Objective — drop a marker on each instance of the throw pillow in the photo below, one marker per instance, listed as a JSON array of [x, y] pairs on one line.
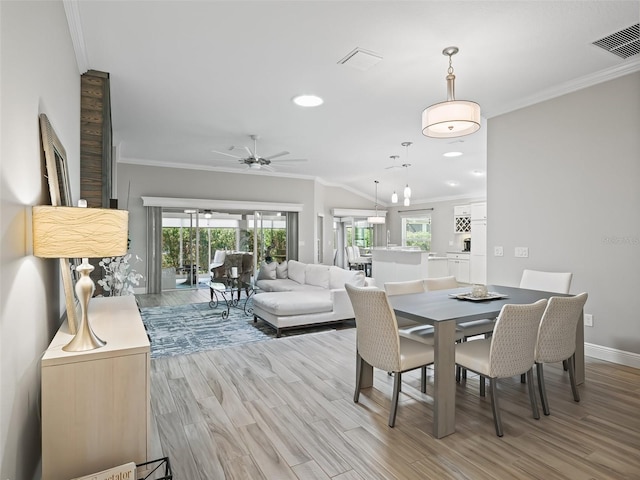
[[317, 275], [267, 271], [340, 276], [296, 271], [281, 270]]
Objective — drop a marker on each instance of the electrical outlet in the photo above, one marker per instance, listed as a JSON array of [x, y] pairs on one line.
[[498, 251], [588, 320], [521, 252]]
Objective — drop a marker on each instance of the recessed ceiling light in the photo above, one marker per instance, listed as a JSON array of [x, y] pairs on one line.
[[452, 154], [478, 173], [453, 184], [308, 100]]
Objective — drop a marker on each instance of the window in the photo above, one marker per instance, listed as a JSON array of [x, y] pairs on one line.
[[416, 232]]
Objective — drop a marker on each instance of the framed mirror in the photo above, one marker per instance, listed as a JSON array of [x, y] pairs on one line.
[[60, 193]]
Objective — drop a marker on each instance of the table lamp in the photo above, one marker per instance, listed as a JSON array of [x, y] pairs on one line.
[[72, 232]]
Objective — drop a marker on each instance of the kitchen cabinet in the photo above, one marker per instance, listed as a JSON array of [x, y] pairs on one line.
[[458, 264], [96, 404], [478, 258], [478, 211], [462, 218]]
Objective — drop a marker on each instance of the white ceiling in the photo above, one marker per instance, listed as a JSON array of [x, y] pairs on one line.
[[191, 77]]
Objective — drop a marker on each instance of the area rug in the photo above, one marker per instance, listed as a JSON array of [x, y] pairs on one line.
[[190, 328]]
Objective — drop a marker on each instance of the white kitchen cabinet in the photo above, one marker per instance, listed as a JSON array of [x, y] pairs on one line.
[[462, 211], [478, 211], [458, 264], [96, 404], [462, 218]]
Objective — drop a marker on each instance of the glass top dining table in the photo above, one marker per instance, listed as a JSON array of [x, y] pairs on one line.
[[442, 310]]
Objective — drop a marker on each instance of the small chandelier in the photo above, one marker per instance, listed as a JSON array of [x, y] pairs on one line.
[[377, 219], [453, 118]]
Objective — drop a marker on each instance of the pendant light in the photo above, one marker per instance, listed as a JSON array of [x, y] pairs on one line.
[[453, 118], [407, 189], [394, 195], [377, 219]]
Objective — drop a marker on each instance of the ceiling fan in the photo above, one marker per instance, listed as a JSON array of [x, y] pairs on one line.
[[254, 160]]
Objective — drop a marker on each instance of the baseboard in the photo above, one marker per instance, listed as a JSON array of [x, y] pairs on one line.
[[612, 355]]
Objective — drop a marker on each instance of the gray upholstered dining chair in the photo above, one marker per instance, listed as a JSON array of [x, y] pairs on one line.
[[379, 344], [557, 340], [509, 351]]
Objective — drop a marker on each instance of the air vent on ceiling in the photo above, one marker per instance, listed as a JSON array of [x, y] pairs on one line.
[[624, 43], [360, 59]]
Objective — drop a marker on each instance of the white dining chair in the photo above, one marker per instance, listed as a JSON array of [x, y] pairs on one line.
[[556, 282], [508, 352], [380, 345], [557, 340]]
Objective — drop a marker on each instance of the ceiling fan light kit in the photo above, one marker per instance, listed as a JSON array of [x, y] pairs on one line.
[[254, 161], [452, 118]]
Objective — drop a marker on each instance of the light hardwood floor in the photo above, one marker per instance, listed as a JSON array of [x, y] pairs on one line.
[[283, 409]]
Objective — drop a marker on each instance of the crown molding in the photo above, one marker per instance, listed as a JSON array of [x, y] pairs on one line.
[[630, 66], [72, 12]]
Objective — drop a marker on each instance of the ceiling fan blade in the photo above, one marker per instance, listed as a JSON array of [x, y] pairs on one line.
[[268, 168], [270, 157], [392, 166], [293, 160], [251, 154], [227, 154]]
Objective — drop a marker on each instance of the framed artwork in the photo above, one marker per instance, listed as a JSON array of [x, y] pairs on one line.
[[60, 193]]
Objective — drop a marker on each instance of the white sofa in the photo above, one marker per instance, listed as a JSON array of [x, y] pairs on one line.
[[296, 294]]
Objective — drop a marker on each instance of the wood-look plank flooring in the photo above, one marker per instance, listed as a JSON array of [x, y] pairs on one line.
[[283, 409]]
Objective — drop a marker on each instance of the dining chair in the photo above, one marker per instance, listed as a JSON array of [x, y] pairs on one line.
[[556, 282], [380, 345], [557, 340], [509, 351]]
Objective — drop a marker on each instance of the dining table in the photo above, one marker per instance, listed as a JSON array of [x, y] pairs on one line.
[[444, 309]]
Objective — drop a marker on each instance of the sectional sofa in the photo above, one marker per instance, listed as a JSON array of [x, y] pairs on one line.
[[295, 294]]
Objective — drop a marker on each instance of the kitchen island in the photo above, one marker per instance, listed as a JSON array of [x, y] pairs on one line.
[[398, 264]]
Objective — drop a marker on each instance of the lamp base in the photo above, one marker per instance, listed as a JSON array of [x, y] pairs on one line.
[[85, 338]]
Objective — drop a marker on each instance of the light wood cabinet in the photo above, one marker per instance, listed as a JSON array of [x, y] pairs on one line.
[[96, 404]]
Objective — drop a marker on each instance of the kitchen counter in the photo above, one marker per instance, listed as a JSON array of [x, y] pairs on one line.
[[400, 264]]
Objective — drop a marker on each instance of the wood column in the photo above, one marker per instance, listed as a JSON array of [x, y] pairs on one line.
[[95, 147]]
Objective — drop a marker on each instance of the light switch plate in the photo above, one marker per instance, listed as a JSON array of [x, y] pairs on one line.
[[588, 320], [521, 252], [498, 251]]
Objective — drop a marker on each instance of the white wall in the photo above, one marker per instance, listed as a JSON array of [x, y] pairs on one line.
[[39, 75], [564, 180]]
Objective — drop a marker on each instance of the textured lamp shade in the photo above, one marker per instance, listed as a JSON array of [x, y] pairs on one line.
[[454, 118], [72, 232]]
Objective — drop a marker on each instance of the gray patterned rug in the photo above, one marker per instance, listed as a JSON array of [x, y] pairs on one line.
[[184, 329]]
